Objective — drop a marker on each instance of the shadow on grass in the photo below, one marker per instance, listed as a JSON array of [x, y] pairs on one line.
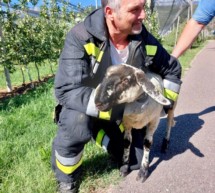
[[25, 95], [99, 164], [96, 168], [186, 126]]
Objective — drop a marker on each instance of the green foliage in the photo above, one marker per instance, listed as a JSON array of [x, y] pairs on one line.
[[169, 40], [151, 23], [186, 58], [26, 38]]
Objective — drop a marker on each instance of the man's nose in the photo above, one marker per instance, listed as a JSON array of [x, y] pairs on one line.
[[142, 15]]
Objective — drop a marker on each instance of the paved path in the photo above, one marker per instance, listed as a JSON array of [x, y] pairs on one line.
[[189, 164]]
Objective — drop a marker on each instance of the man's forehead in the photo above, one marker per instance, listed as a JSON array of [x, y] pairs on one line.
[[133, 1]]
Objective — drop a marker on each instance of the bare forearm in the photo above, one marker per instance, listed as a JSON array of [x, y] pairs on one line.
[[189, 34]]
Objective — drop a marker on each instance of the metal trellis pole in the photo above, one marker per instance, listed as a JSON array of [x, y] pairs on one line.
[[96, 1]]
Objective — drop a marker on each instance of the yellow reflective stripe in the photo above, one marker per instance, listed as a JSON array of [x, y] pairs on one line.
[[170, 94], [100, 56], [105, 115], [68, 169], [93, 50], [121, 127], [99, 137], [151, 50]]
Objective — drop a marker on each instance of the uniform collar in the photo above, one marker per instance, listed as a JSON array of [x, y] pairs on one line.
[[95, 24]]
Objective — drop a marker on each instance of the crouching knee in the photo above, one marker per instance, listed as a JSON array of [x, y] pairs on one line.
[[74, 127]]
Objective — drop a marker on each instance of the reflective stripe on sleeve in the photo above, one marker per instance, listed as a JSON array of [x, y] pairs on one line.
[[151, 50], [68, 165], [93, 111], [105, 115], [170, 94], [91, 107], [171, 86]]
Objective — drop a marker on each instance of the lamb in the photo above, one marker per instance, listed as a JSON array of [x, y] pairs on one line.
[[126, 84]]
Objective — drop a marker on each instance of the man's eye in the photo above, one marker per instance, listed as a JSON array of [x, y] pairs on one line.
[[134, 10]]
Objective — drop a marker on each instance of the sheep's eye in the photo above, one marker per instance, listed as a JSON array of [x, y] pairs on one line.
[[120, 97], [109, 88], [125, 81]]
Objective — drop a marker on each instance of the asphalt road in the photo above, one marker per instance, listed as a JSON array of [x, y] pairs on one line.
[[189, 164]]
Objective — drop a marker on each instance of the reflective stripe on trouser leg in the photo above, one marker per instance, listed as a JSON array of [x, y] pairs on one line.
[[121, 127], [68, 165], [102, 140]]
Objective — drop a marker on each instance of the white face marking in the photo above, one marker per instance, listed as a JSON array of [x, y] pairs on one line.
[[130, 94], [129, 77], [109, 91]]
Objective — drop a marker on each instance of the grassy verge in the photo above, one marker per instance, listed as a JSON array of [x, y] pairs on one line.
[[26, 133]]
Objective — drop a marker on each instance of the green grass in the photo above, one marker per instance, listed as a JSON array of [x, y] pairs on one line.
[[186, 59], [188, 56], [26, 134], [27, 130]]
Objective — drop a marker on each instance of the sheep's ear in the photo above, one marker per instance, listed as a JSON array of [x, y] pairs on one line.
[[150, 88]]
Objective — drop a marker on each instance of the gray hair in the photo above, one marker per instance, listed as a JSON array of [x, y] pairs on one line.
[[114, 4]]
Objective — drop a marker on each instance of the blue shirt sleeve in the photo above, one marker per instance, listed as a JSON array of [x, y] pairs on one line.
[[205, 11]]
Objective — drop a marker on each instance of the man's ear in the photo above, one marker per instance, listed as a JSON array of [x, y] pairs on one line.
[[109, 13], [150, 89]]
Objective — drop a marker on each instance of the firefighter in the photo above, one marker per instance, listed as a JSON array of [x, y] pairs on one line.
[[108, 36]]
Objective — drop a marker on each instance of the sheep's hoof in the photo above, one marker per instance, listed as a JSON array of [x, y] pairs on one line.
[[124, 170], [142, 174], [165, 145]]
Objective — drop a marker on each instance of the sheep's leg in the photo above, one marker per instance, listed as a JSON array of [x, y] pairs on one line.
[[143, 172], [124, 169], [170, 124]]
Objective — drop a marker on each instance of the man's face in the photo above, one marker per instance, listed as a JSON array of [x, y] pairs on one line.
[[128, 18]]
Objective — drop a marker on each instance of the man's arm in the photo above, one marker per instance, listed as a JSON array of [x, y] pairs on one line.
[[189, 34], [73, 67], [203, 14], [167, 66]]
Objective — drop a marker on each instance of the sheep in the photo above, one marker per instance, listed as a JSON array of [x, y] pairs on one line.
[[126, 84]]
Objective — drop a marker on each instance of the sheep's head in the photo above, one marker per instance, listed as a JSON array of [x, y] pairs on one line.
[[123, 84], [119, 86]]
